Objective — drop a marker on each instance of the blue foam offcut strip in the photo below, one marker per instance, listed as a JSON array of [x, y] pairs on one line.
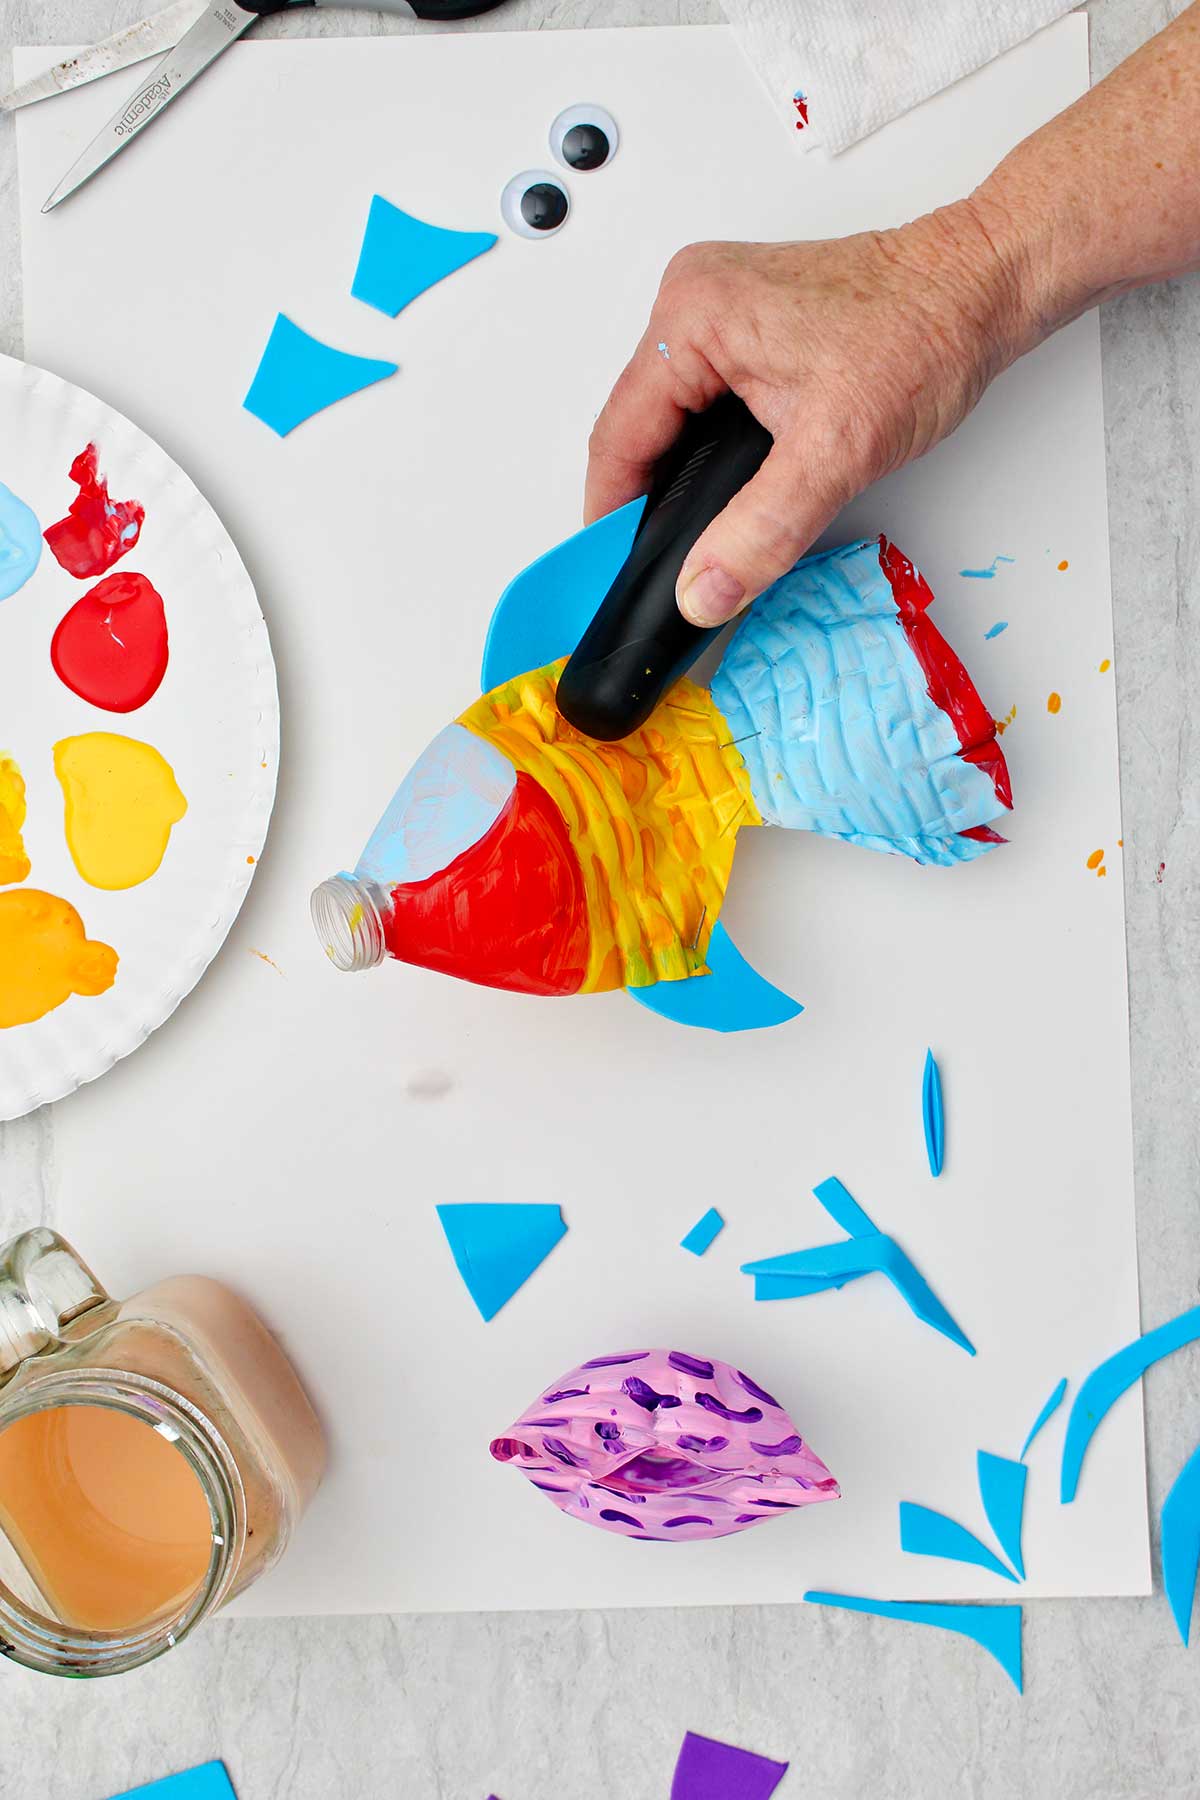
[[703, 1232], [1181, 1542], [860, 1256], [932, 1115], [997, 628], [299, 376], [208, 1782], [794, 1287], [843, 1208], [497, 1247], [731, 997], [996, 1628], [924, 1532], [1047, 1413], [1105, 1385], [402, 256], [1002, 1490]]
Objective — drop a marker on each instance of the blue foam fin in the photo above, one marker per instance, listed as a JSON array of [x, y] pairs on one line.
[[208, 1782], [703, 1232], [402, 256], [545, 610], [997, 1629], [858, 1256], [843, 1208], [731, 997], [710, 1770], [1047, 1413], [299, 376], [1105, 1385], [1002, 1490], [497, 1247], [794, 1287], [932, 1115], [924, 1532], [1181, 1542]]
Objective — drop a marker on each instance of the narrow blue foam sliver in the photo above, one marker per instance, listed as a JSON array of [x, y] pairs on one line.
[[932, 1115], [710, 1770], [703, 1232], [859, 1256], [299, 376], [924, 1532], [996, 1628], [843, 1208], [402, 256], [1002, 1490], [498, 1247], [1047, 1413], [1106, 1383], [1181, 1542], [731, 997], [208, 1782]]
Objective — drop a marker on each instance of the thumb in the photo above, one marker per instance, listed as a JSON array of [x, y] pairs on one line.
[[766, 527]]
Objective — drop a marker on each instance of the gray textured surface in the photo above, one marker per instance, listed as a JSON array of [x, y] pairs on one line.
[[542, 1707]]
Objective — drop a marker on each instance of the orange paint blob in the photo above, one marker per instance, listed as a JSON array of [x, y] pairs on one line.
[[249, 859], [1105, 666], [1063, 565], [1054, 703], [1002, 725], [1095, 859], [46, 956], [1102, 870]]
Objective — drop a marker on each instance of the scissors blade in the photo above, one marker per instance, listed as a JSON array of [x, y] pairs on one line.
[[148, 38], [222, 23]]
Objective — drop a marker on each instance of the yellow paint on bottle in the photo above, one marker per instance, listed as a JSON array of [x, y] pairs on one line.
[[46, 956], [14, 864], [121, 802]]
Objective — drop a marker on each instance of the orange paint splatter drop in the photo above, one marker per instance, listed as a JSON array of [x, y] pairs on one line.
[[1120, 843], [1105, 666], [1054, 703], [1063, 565], [1102, 870], [1002, 725], [1095, 859], [263, 957], [249, 859]]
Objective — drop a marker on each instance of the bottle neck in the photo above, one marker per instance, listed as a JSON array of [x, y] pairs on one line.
[[348, 914]]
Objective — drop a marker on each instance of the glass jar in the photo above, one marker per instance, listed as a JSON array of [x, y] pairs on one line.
[[155, 1456]]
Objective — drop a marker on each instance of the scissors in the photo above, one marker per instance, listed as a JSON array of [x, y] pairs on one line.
[[207, 30]]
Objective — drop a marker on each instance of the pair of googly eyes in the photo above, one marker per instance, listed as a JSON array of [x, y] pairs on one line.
[[535, 203]]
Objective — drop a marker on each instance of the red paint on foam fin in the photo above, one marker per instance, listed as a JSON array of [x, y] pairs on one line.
[[950, 687], [96, 530], [111, 648], [510, 912]]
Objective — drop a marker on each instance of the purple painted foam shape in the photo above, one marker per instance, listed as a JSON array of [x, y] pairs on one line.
[[710, 1770]]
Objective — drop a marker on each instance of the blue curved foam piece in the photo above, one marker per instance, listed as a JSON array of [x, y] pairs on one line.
[[299, 376], [545, 610], [1181, 1542], [731, 997], [924, 1532], [860, 1256], [402, 256], [997, 1629], [1002, 1490], [710, 1770], [498, 1247], [1106, 1383], [1047, 1413], [703, 1232], [20, 542], [932, 1115]]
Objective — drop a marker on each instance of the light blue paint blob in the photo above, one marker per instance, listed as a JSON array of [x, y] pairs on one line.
[[402, 256], [996, 1629], [497, 1248], [208, 1782], [731, 997], [703, 1232], [933, 1116], [452, 795], [1181, 1543], [843, 1208], [1047, 1413], [988, 574], [1002, 1490], [924, 1532], [860, 1256], [997, 628], [299, 376], [20, 542], [663, 351], [1105, 1385]]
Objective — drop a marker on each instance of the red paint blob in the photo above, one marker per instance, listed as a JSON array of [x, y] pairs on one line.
[[111, 648], [800, 103], [96, 530]]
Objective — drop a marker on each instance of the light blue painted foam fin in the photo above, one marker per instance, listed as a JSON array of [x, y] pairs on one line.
[[1002, 1490], [703, 1232], [924, 1532], [843, 1208], [855, 1257], [497, 1248], [1181, 1542], [1047, 1413], [709, 1770], [20, 542], [545, 610], [1105, 1385], [932, 1116], [731, 997], [996, 1628], [299, 376], [208, 1782], [402, 256]]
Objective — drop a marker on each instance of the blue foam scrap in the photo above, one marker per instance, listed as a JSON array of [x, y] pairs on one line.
[[924, 1532], [498, 1246], [208, 1782], [843, 1208], [933, 1115], [401, 256], [1047, 1413], [1107, 1382], [1002, 1490], [1181, 1542], [863, 1255], [298, 376], [997, 1629], [703, 1232]]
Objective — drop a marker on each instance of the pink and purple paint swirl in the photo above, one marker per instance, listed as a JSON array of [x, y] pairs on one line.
[[660, 1444]]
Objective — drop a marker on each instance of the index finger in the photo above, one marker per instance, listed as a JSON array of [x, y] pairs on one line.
[[641, 420]]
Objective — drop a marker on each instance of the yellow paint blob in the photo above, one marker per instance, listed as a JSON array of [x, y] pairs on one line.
[[121, 802], [1054, 703], [14, 864], [1105, 666], [46, 956]]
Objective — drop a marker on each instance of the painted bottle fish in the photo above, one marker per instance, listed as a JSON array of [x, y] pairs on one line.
[[519, 854]]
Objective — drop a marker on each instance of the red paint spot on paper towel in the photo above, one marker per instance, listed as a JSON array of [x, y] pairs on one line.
[[800, 102], [96, 530], [111, 648]]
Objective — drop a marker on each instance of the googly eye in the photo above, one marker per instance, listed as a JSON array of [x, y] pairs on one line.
[[584, 137], [535, 204]]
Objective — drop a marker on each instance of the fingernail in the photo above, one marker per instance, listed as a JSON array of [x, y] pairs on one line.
[[711, 597]]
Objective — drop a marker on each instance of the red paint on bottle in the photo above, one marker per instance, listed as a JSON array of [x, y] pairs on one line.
[[96, 530], [950, 687], [111, 648], [510, 912]]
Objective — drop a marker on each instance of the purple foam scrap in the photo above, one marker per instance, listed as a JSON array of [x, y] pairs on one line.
[[710, 1770]]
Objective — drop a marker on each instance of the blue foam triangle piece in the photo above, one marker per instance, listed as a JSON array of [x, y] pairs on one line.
[[208, 1782], [498, 1247], [1002, 1490], [996, 1628], [299, 376], [924, 1532], [731, 997], [1181, 1543], [402, 256]]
